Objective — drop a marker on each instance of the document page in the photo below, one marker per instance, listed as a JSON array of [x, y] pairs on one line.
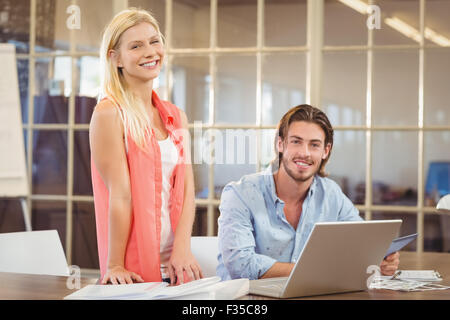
[[115, 291]]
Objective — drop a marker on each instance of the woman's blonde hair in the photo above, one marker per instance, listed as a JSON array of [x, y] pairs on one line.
[[113, 85]]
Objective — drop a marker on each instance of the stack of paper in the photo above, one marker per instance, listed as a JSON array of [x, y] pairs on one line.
[[409, 280], [203, 289], [122, 291], [419, 275]]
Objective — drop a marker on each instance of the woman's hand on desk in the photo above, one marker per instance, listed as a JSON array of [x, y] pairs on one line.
[[120, 275], [390, 264], [181, 264]]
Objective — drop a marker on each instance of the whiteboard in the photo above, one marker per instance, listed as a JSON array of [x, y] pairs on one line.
[[13, 176]]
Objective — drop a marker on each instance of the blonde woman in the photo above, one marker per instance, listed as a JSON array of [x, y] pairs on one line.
[[141, 173]]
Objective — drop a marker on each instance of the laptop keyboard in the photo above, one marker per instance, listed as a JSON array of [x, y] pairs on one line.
[[274, 286], [271, 284]]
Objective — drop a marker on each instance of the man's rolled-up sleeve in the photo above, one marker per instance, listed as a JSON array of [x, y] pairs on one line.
[[236, 238]]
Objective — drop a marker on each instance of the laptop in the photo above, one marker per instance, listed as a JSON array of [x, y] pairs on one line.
[[334, 260]]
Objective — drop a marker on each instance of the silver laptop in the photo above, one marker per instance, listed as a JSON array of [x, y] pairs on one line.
[[335, 259]]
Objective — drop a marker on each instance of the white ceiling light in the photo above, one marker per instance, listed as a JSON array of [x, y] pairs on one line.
[[436, 38], [414, 34], [399, 25], [357, 5], [404, 28]]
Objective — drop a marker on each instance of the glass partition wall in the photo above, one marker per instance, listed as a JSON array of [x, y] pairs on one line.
[[379, 69]]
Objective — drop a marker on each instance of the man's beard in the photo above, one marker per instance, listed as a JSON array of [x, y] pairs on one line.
[[293, 174]]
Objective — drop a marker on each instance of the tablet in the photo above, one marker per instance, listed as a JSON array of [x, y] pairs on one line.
[[399, 243]]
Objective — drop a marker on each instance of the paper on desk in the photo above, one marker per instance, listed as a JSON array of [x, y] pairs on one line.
[[182, 289], [115, 291], [409, 280], [420, 275], [203, 289], [223, 290], [406, 285]]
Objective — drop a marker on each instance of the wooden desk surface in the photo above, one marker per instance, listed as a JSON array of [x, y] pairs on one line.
[[18, 286]]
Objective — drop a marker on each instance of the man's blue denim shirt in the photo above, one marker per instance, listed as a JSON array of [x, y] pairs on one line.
[[254, 232]]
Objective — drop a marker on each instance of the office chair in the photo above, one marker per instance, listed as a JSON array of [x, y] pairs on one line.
[[205, 250]]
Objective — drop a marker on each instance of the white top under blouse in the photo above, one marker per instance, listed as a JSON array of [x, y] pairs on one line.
[[169, 159]]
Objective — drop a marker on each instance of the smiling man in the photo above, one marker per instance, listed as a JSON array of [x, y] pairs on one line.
[[266, 218]]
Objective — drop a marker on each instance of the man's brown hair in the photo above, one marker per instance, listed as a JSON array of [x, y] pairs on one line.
[[304, 112]]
